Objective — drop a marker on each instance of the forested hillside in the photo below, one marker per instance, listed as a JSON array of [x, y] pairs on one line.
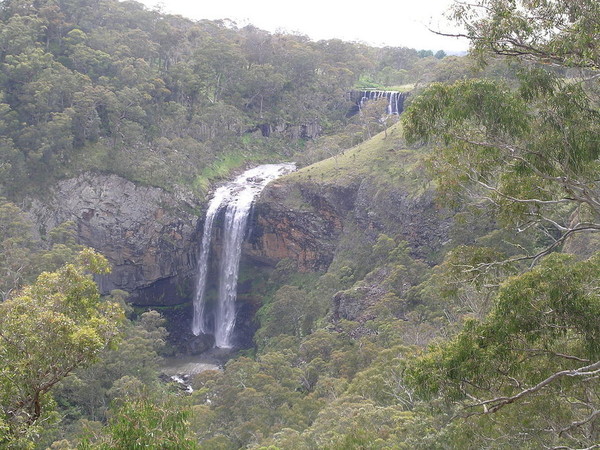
[[111, 86], [428, 280]]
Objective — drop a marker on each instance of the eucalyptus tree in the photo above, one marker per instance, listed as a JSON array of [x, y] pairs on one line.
[[532, 149], [527, 374], [47, 330]]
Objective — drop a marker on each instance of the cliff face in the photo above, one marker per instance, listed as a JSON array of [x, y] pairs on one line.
[[151, 236], [147, 234], [305, 221], [379, 186], [294, 221], [332, 213]]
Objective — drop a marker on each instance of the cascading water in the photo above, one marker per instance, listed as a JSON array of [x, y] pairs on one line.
[[395, 100], [236, 198], [199, 325]]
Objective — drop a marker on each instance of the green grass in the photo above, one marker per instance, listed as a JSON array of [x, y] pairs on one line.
[[401, 88], [368, 84], [218, 169], [223, 167], [385, 158]]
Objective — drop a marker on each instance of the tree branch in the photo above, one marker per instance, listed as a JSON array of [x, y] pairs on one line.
[[500, 402], [580, 422]]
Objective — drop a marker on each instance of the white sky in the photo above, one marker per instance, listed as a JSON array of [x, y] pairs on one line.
[[398, 23]]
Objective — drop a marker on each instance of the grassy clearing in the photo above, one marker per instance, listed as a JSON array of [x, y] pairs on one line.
[[386, 158], [367, 85], [402, 87]]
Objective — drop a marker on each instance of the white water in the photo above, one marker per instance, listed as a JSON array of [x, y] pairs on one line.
[[199, 325], [394, 98], [237, 198]]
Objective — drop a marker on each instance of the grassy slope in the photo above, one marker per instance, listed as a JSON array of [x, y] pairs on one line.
[[384, 158]]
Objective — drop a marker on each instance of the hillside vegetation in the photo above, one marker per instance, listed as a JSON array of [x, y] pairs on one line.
[[488, 336], [162, 100], [385, 157]]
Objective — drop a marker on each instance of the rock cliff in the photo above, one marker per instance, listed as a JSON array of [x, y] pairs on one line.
[[305, 221], [310, 217], [332, 213], [147, 234], [296, 222]]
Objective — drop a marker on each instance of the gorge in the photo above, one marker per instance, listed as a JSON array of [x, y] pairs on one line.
[[427, 278]]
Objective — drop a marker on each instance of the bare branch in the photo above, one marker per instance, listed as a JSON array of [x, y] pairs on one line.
[[548, 352], [580, 422], [571, 448], [500, 402]]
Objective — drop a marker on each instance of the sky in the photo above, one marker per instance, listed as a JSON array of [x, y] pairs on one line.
[[398, 23]]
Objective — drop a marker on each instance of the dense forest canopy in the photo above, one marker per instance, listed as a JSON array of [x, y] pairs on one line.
[[530, 150], [112, 86], [490, 340]]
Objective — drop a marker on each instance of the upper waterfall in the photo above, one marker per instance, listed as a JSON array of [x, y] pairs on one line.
[[395, 100], [235, 198]]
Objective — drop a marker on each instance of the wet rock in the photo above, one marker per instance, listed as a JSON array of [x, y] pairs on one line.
[[199, 344]]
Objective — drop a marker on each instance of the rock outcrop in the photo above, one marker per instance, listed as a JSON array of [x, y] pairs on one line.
[[305, 221], [148, 235], [306, 230]]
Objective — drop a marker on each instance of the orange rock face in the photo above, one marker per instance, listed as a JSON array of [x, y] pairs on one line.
[[307, 235]]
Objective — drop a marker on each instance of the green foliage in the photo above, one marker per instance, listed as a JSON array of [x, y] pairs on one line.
[[23, 256], [49, 329], [293, 311], [87, 393], [560, 32], [529, 149], [252, 398], [544, 323], [160, 99], [372, 158], [111, 86], [15, 246], [489, 107], [143, 421], [153, 97]]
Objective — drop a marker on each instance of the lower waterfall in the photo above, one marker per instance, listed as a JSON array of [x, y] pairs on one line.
[[236, 199]]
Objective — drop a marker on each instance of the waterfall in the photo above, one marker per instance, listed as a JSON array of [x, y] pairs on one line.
[[199, 325], [236, 199], [395, 100]]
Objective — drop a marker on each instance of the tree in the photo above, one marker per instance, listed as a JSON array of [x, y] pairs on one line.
[[15, 247], [293, 311], [136, 360], [531, 149], [562, 32], [539, 346], [49, 329], [146, 421]]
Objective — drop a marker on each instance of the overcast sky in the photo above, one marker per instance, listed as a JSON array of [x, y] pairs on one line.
[[399, 23]]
